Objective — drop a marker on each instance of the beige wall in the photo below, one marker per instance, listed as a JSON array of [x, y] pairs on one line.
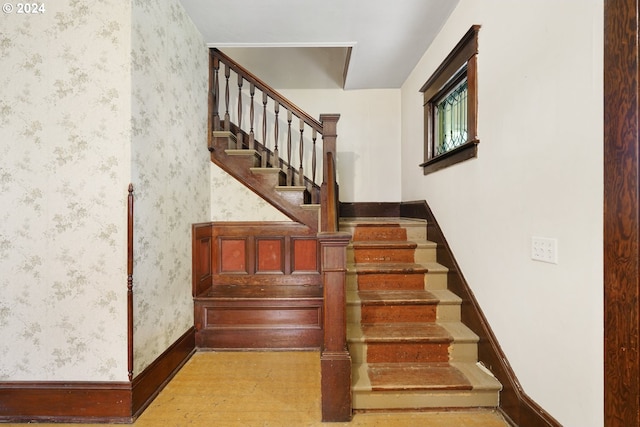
[[368, 139], [538, 173]]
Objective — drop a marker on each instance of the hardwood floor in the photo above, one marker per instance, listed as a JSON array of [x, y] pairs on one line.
[[269, 389]]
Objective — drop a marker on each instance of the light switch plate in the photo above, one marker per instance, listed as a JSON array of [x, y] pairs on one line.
[[544, 249]]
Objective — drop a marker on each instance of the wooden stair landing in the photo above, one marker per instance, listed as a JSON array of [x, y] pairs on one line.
[[408, 346]]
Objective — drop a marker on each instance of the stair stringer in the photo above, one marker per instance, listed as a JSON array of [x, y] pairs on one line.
[[243, 165]]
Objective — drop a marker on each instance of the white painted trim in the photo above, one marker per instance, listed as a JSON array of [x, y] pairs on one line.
[[308, 44]]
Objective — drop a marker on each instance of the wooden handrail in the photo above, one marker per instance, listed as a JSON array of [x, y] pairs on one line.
[[220, 90], [265, 88]]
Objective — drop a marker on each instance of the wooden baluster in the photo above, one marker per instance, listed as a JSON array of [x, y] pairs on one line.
[[289, 168], [216, 94], [276, 158], [314, 195], [239, 138], [252, 91], [227, 119], [264, 129], [300, 152]]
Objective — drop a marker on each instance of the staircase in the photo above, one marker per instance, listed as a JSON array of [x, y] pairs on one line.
[[377, 306], [254, 168], [408, 345]]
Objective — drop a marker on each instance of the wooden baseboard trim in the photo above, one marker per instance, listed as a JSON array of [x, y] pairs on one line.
[[93, 402], [73, 402], [515, 404], [147, 385]]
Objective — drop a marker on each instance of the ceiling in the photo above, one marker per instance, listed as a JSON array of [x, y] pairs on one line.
[[315, 43]]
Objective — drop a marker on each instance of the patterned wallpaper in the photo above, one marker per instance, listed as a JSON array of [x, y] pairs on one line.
[[232, 201], [97, 94], [170, 169], [64, 141]]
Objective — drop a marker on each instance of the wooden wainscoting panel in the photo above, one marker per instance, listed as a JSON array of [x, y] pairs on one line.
[[305, 255], [266, 288], [264, 254], [233, 256], [201, 253], [270, 255], [285, 317]]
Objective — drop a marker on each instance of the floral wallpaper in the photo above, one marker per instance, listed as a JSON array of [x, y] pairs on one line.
[[98, 94], [232, 201], [170, 168], [64, 169]]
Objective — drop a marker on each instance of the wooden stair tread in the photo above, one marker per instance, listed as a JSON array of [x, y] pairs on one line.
[[251, 292], [381, 221], [402, 332], [416, 376], [384, 244]]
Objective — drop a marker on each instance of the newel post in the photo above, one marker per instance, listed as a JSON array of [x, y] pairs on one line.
[[335, 362], [328, 189]]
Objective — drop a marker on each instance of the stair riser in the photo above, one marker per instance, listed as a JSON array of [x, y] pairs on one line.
[[383, 255], [463, 352], [270, 176], [448, 312], [390, 233], [367, 400], [383, 281], [456, 352], [248, 158], [412, 232], [295, 197], [424, 254], [398, 313], [444, 313], [409, 352]]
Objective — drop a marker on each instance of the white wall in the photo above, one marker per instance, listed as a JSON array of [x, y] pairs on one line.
[[368, 139], [538, 173]]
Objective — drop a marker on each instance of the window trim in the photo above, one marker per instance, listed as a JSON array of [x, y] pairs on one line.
[[461, 61]]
